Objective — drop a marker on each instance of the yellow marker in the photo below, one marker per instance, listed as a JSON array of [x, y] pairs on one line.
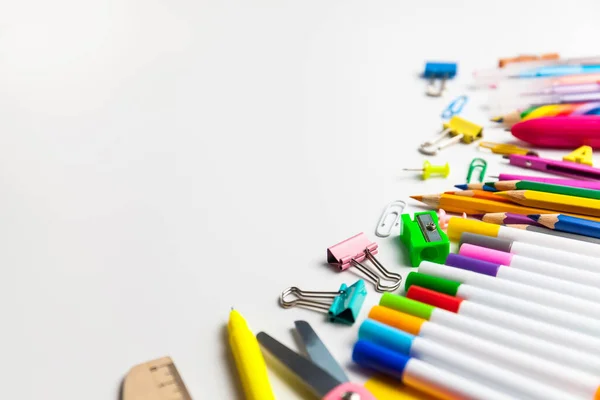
[[248, 359], [429, 169], [582, 155]]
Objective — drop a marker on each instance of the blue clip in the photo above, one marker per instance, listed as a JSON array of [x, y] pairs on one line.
[[347, 305], [344, 309], [438, 70], [455, 107]]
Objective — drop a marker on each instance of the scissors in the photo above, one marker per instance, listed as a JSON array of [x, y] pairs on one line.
[[320, 372]]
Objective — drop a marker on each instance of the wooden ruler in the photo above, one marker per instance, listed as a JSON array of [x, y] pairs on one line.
[[155, 380]]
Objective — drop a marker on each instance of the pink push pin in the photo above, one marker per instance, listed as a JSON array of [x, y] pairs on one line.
[[443, 218]]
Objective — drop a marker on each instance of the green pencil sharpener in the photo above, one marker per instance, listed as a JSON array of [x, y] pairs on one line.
[[424, 238]]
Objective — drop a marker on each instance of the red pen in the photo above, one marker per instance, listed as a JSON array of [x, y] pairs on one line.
[[560, 132]]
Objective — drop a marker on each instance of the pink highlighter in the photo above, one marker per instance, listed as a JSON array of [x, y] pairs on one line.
[[560, 132]]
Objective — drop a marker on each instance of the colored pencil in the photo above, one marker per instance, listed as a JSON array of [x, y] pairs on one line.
[[546, 231], [505, 218], [469, 205], [479, 194], [546, 188], [548, 110], [569, 224], [476, 186], [554, 181], [551, 201]]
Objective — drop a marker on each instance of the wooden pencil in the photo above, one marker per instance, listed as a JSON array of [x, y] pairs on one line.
[[479, 194], [505, 219], [566, 223], [469, 205], [555, 202], [546, 231], [547, 188], [476, 186]]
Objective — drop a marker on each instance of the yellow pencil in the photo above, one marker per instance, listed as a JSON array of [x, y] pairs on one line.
[[248, 359], [553, 201]]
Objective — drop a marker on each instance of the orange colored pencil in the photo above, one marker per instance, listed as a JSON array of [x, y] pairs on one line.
[[470, 205], [479, 194]]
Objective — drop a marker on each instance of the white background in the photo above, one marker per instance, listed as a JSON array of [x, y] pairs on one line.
[[163, 161]]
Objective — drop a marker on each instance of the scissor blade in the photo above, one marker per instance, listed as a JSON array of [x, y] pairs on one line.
[[318, 353], [318, 380]]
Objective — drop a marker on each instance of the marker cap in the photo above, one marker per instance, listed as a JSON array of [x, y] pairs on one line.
[[456, 227], [472, 264], [431, 282], [433, 298], [484, 254], [486, 241], [376, 357], [386, 336], [402, 304], [396, 319]]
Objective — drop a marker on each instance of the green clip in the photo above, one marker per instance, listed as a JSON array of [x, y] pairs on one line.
[[347, 305], [424, 238], [477, 163]]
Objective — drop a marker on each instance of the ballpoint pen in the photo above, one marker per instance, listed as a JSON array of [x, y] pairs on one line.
[[248, 359]]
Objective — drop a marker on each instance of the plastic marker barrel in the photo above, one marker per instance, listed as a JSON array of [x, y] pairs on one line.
[[498, 271], [515, 289], [556, 255], [457, 226], [497, 317], [560, 353], [420, 375], [562, 272], [512, 371], [513, 305]]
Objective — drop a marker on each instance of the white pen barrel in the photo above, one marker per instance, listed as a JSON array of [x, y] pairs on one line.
[[542, 329], [559, 353], [518, 290], [568, 258], [563, 272], [536, 311], [440, 354], [553, 242], [584, 292], [419, 374]]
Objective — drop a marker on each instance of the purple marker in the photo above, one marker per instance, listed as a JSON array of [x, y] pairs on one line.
[[516, 275], [554, 181]]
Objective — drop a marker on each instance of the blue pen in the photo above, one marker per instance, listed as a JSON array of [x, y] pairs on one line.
[[559, 70]]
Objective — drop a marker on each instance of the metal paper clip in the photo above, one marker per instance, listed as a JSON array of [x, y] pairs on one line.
[[345, 307], [458, 130], [455, 107], [475, 164], [353, 251], [390, 218], [438, 71], [504, 148]]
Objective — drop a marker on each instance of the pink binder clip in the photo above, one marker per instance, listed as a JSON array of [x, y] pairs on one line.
[[353, 251], [443, 218]]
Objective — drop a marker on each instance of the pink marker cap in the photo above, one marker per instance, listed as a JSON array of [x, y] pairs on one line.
[[484, 254]]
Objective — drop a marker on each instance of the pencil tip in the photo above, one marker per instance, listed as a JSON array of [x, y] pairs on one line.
[[534, 217], [418, 198], [497, 119], [462, 186], [502, 194], [477, 216]]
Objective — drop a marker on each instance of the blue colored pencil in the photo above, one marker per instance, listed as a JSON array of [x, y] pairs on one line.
[[565, 223]]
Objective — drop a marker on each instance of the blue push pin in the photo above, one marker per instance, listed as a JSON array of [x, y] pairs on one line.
[[438, 71]]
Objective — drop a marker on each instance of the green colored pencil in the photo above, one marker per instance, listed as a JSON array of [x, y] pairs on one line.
[[546, 187]]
